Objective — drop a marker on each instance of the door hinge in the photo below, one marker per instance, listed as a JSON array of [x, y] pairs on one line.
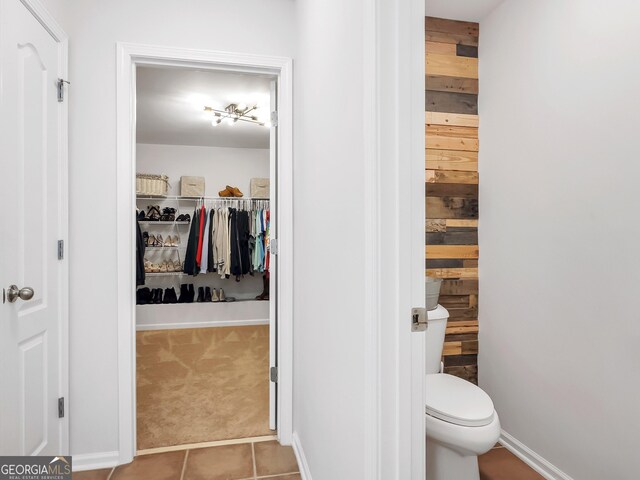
[[273, 374], [61, 407], [273, 246], [274, 119], [418, 319], [60, 84], [60, 249]]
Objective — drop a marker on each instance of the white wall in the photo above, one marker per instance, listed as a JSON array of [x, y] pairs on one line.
[[94, 27], [559, 230], [219, 166], [329, 225]]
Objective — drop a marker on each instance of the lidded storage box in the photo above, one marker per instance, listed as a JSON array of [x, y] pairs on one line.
[[148, 184], [192, 186], [260, 188]]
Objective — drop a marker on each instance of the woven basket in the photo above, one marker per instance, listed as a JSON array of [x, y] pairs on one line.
[[156, 185]]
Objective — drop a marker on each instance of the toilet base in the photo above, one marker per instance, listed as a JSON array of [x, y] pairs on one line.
[[443, 463]]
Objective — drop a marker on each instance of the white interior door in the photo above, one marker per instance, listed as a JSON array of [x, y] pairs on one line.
[[32, 328], [273, 264]]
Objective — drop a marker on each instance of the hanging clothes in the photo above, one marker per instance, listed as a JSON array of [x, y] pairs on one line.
[[140, 273], [190, 266], [203, 219], [211, 261], [204, 258]]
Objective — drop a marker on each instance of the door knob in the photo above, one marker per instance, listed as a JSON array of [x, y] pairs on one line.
[[14, 293]]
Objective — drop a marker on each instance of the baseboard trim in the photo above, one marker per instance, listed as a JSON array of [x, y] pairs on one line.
[[305, 473], [94, 461], [212, 323], [531, 458]]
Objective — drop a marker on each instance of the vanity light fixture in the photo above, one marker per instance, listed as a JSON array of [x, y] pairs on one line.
[[234, 112]]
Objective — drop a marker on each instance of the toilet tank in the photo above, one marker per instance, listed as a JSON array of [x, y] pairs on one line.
[[437, 326]]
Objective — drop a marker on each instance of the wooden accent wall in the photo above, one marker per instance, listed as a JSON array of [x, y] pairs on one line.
[[451, 176]]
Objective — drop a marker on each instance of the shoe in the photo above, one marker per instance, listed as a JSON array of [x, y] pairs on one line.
[[141, 215], [169, 266], [143, 296], [153, 213], [177, 266], [200, 295], [214, 296], [159, 241], [184, 293], [157, 295], [168, 214], [170, 296], [265, 289], [236, 191], [192, 293], [222, 297], [227, 192], [207, 294], [145, 238]]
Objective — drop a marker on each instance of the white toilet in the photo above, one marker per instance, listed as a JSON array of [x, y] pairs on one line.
[[461, 420]]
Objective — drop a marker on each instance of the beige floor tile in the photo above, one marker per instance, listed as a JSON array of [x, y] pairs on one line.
[[101, 474], [160, 466], [501, 464], [229, 462], [294, 476], [272, 459]]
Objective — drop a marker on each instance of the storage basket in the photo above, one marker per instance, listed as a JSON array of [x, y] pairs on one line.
[[192, 186], [154, 185], [260, 188]]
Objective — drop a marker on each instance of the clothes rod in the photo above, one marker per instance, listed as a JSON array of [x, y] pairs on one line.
[[195, 199]]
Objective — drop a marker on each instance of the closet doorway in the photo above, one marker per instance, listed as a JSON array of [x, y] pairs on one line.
[[208, 165]]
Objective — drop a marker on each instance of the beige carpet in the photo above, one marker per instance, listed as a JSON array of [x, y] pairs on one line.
[[202, 384]]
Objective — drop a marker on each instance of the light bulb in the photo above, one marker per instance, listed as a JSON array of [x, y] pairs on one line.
[[267, 124], [230, 121], [242, 106]]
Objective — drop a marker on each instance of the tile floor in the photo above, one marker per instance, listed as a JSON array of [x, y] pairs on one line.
[[500, 464], [245, 461]]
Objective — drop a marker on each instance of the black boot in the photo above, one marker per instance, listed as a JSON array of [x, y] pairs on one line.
[[265, 289], [143, 296], [170, 296], [207, 294], [158, 295], [200, 295], [192, 293], [184, 293]]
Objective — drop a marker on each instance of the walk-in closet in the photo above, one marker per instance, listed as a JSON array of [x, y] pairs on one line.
[[205, 319]]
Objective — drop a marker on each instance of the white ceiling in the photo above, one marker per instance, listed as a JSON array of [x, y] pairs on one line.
[[170, 105], [467, 10]]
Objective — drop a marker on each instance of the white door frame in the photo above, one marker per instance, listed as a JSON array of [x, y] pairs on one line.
[[395, 140], [40, 13], [128, 57]]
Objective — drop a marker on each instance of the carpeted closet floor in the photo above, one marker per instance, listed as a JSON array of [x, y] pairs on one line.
[[202, 384]]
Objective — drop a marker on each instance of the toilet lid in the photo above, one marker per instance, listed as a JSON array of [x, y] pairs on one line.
[[457, 401]]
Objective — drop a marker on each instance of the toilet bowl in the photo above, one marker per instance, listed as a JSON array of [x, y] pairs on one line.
[[461, 420]]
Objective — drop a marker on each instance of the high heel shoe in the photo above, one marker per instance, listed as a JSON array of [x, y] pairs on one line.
[[214, 296], [153, 213], [159, 241], [177, 266]]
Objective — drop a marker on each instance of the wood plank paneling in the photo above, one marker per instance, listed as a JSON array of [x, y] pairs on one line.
[[452, 207], [442, 48], [438, 83], [453, 27], [449, 102], [451, 184], [451, 176], [451, 66], [452, 251], [453, 119], [451, 160]]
